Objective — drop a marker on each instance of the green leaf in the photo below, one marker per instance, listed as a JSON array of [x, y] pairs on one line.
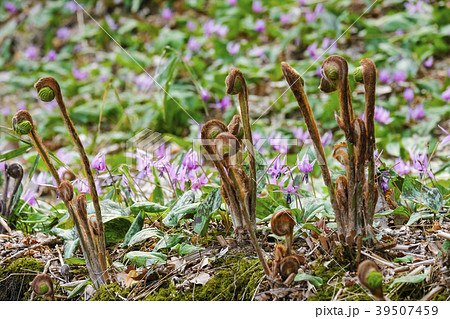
[[14, 153], [400, 210], [75, 261], [175, 215], [79, 289], [135, 227], [157, 195], [409, 279], [145, 259], [148, 207], [446, 245], [417, 216], [316, 281], [405, 259], [168, 241], [205, 210], [144, 234], [186, 249], [116, 229], [422, 194]]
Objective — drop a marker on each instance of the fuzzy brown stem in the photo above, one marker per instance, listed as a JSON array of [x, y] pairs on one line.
[[295, 83], [53, 84]]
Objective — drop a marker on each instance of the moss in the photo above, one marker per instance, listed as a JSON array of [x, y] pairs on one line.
[[238, 279], [110, 292], [13, 286], [374, 280], [443, 296]]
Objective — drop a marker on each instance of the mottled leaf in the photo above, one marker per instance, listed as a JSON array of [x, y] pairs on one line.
[[205, 210], [405, 259], [134, 228], [145, 234], [186, 249], [79, 289], [148, 207], [168, 241], [143, 259], [422, 194], [409, 279], [175, 215], [316, 281]]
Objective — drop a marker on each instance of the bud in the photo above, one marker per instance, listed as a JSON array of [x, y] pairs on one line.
[[233, 82], [331, 73], [22, 123], [46, 94], [15, 171], [43, 285], [66, 191], [357, 74]]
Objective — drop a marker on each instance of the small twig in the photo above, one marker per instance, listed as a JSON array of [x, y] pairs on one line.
[[432, 293]]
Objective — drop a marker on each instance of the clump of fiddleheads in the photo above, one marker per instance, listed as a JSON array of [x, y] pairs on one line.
[[48, 89], [14, 171], [224, 145], [23, 124], [352, 197]]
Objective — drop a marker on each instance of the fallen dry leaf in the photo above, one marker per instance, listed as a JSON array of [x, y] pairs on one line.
[[201, 279]]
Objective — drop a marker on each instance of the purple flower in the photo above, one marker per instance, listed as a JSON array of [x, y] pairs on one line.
[[289, 190], [447, 138], [200, 181], [279, 143], [302, 2], [79, 74], [21, 106], [143, 82], [111, 23], [2, 166], [305, 166], [209, 27], [98, 162], [399, 76], [325, 139], [257, 6], [31, 53], [446, 94], [408, 94], [63, 33], [233, 48], [221, 30], [190, 161], [326, 45], [416, 113], [399, 32], [6, 111], [166, 13], [300, 134], [63, 156], [83, 186], [428, 62], [401, 167], [319, 9], [420, 162], [260, 25], [285, 18], [51, 55], [310, 16], [193, 44], [384, 76], [30, 197], [414, 7], [191, 25], [312, 50], [72, 6], [382, 115], [232, 2], [204, 93], [257, 51], [77, 48], [384, 181], [277, 166], [10, 7], [319, 71], [225, 103]]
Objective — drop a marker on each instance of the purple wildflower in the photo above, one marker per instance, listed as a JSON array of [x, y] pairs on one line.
[[6, 111], [63, 156], [300, 134], [399, 76], [312, 50], [319, 9], [446, 94], [260, 25], [428, 62], [21, 105], [277, 166], [319, 71], [83, 186], [166, 13], [382, 115], [285, 18], [232, 2], [205, 95], [193, 44], [10, 7], [30, 197], [401, 167], [143, 82], [72, 6], [399, 32], [325, 139], [98, 162], [305, 166], [233, 48], [420, 162], [310, 16], [190, 161], [416, 113], [278, 143], [257, 51], [31, 53], [384, 181], [63, 33], [209, 27], [79, 74], [414, 7], [191, 25], [111, 23], [447, 138], [51, 55], [221, 104], [200, 181], [257, 6], [290, 190], [408, 94], [221, 30], [384, 76], [77, 48]]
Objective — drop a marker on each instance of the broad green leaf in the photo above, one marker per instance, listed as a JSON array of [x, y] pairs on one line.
[[135, 227], [400, 210], [205, 210], [14, 153], [157, 195], [187, 198], [175, 215], [405, 259], [116, 229], [148, 207], [168, 241], [145, 234], [409, 279], [186, 249], [417, 216], [316, 281], [79, 289], [144, 259], [422, 194]]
